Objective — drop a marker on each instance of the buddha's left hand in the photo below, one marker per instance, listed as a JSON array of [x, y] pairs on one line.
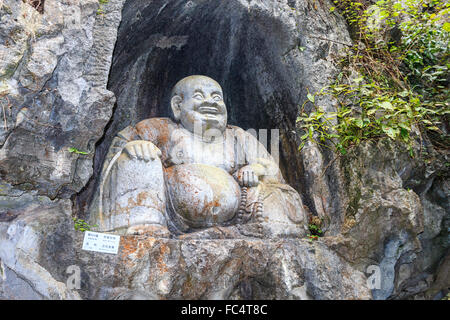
[[248, 176]]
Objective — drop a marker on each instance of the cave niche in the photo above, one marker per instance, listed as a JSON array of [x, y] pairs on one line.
[[251, 52]]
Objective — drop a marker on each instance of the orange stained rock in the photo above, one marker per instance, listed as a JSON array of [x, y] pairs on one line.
[[154, 130], [135, 246], [163, 250]]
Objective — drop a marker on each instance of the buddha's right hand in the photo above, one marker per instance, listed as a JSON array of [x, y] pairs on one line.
[[142, 150]]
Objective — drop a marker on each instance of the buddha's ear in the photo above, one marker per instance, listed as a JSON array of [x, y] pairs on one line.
[[175, 103]]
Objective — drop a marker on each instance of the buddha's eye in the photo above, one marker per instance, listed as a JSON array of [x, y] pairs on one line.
[[198, 96], [216, 97]]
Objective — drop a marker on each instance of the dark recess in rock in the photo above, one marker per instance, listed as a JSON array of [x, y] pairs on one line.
[[245, 50], [37, 4]]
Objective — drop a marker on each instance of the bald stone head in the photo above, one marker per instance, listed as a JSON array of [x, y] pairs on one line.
[[197, 101]]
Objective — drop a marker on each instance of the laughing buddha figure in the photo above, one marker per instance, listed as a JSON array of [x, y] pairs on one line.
[[178, 176]]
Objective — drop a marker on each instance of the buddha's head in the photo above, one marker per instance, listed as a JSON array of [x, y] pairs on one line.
[[197, 102]]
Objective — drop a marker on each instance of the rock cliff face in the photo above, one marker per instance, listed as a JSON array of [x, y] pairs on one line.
[[65, 65], [397, 218], [39, 245], [265, 55], [54, 70]]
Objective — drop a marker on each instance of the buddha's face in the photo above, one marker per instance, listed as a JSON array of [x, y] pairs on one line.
[[198, 104]]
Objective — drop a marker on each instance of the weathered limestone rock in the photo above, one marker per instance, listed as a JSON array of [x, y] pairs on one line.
[[30, 240], [37, 245], [396, 218], [53, 72]]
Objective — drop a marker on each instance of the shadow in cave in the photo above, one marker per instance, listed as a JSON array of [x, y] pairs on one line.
[[161, 42]]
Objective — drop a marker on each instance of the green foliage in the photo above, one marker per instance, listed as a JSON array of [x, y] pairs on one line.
[[100, 7], [315, 232], [403, 82], [366, 110], [75, 150], [81, 225]]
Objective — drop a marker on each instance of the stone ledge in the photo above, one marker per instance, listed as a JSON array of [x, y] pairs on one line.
[[152, 268]]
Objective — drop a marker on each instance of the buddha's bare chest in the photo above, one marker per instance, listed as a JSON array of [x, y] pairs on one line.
[[223, 154]]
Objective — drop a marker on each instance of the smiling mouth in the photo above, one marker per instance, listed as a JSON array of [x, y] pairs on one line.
[[208, 110]]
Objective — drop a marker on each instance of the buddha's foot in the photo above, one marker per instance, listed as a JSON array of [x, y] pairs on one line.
[[153, 230]]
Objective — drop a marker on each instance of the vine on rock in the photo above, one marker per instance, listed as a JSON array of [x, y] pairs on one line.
[[394, 80]]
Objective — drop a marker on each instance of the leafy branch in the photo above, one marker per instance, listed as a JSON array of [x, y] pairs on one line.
[[75, 150], [81, 225], [402, 84]]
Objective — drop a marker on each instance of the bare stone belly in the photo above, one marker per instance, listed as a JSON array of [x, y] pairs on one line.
[[202, 195]]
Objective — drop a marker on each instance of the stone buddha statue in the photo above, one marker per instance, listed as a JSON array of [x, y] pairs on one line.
[[194, 174]]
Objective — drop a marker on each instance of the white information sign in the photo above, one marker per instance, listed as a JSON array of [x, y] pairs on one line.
[[101, 242]]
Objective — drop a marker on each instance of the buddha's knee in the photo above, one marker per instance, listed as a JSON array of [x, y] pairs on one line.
[[138, 194], [282, 204]]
